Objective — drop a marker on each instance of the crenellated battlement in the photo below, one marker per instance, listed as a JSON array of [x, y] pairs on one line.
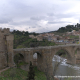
[[5, 30]]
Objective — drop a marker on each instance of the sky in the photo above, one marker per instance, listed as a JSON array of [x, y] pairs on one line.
[[38, 15]]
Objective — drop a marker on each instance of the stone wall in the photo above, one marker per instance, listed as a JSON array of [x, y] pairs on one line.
[[6, 48]]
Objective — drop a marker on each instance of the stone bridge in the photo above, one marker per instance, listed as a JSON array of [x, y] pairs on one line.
[[45, 55]]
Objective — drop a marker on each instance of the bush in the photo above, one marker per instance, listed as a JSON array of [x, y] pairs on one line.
[[31, 74]]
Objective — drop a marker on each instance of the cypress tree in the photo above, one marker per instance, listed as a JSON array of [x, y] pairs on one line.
[[31, 74]]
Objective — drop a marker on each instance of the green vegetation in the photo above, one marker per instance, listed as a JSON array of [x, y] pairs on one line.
[[22, 40], [62, 53], [19, 74], [21, 63], [18, 59], [31, 73], [68, 78], [75, 51], [39, 75], [74, 37], [69, 28], [13, 74]]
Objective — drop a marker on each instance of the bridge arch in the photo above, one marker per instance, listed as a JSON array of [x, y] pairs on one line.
[[18, 58], [38, 61], [65, 53]]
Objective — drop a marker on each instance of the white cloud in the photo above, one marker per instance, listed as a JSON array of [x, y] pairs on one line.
[[38, 15], [72, 20]]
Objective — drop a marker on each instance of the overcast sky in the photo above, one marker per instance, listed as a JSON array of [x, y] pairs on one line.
[[38, 15]]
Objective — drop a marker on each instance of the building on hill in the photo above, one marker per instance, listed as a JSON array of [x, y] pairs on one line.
[[32, 36], [39, 37]]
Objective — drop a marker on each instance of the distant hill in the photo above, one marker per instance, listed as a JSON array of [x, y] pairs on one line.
[[22, 39], [67, 28]]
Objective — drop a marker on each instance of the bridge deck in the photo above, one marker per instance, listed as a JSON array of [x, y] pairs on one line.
[[47, 47]]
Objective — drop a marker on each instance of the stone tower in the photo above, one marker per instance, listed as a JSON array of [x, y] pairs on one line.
[[6, 48], [79, 38]]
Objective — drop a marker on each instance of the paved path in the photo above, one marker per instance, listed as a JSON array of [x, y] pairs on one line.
[[4, 69]]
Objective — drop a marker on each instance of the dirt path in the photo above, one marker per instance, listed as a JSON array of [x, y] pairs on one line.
[[4, 69]]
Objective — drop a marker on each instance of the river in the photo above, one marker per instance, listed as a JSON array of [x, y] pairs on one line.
[[66, 70]]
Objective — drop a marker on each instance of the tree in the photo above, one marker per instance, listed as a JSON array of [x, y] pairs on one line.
[[31, 73], [32, 45]]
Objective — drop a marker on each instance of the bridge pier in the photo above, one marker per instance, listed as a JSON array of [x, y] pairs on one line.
[[72, 60], [78, 54], [48, 67], [28, 56]]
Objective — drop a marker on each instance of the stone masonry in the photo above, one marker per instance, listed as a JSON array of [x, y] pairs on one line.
[[6, 48], [45, 55]]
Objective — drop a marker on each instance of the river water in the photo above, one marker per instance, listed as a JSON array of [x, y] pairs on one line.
[[66, 70]]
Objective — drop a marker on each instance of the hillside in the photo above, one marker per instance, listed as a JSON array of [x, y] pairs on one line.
[[22, 40], [69, 28], [19, 74]]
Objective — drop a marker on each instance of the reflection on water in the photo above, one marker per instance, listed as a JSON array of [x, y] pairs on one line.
[[65, 69]]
